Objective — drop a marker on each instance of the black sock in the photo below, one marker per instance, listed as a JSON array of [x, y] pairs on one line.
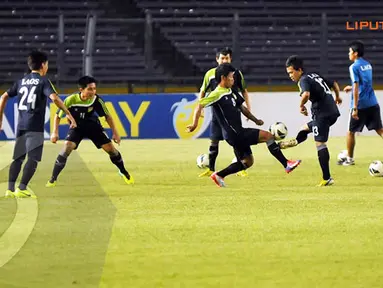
[[59, 166], [324, 159], [213, 154], [14, 171], [231, 169], [276, 152], [28, 172], [302, 136], [117, 160]]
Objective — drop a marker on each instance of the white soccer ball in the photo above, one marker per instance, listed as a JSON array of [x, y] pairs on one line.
[[342, 156], [203, 161], [279, 130], [376, 169]]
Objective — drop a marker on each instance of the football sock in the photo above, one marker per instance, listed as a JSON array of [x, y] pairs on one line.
[[276, 152], [302, 136], [28, 172], [59, 166], [213, 154], [324, 159], [117, 160], [231, 169], [14, 171]]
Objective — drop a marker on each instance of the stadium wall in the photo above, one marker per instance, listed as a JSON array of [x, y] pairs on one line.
[[164, 116]]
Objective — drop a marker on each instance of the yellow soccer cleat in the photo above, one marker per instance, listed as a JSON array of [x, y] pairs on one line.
[[243, 173], [288, 143], [9, 194], [206, 173], [127, 180], [328, 182], [51, 184], [24, 194]]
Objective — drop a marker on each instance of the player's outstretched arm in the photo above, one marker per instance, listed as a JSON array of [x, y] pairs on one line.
[[55, 132], [336, 88], [60, 104], [305, 97], [3, 103], [250, 116], [245, 94], [196, 115], [115, 137]]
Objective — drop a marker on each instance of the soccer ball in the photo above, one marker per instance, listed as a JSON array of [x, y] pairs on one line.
[[342, 156], [376, 169], [279, 130], [203, 161]]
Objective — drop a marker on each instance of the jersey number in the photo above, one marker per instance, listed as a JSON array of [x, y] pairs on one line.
[[324, 85], [29, 96], [321, 82], [315, 130]]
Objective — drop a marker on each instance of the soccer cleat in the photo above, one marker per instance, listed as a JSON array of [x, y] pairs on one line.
[[243, 173], [341, 161], [24, 194], [217, 180], [51, 184], [9, 194], [288, 143], [328, 182], [349, 162], [206, 173], [291, 165], [127, 180]]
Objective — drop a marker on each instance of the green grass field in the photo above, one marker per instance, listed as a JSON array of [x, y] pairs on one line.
[[172, 229]]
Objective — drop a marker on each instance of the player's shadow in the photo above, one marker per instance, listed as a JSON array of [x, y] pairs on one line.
[[70, 240]]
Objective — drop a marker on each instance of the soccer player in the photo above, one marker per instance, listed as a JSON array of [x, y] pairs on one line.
[[208, 85], [365, 110], [228, 106], [84, 105], [324, 111], [32, 91]]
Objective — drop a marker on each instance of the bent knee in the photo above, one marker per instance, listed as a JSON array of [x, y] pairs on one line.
[[248, 162], [69, 146]]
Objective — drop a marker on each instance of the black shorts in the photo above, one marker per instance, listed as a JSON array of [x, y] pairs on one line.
[[242, 143], [369, 117], [215, 130], [321, 127], [92, 131], [28, 142]]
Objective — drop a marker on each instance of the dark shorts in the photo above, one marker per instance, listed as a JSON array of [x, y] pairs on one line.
[[241, 144], [369, 117], [215, 130], [321, 127], [29, 143], [93, 132]]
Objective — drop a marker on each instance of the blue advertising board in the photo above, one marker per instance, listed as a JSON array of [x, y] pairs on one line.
[[137, 116]]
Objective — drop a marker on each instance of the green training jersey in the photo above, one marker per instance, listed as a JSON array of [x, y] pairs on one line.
[[209, 83], [84, 111]]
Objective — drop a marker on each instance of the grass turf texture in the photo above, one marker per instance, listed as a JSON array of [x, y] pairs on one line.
[[172, 229]]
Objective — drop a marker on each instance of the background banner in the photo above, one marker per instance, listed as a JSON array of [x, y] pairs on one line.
[[165, 116]]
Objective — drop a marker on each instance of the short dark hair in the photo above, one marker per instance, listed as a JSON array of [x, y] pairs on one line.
[[358, 47], [225, 51], [223, 70], [295, 61], [36, 59], [85, 80]]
